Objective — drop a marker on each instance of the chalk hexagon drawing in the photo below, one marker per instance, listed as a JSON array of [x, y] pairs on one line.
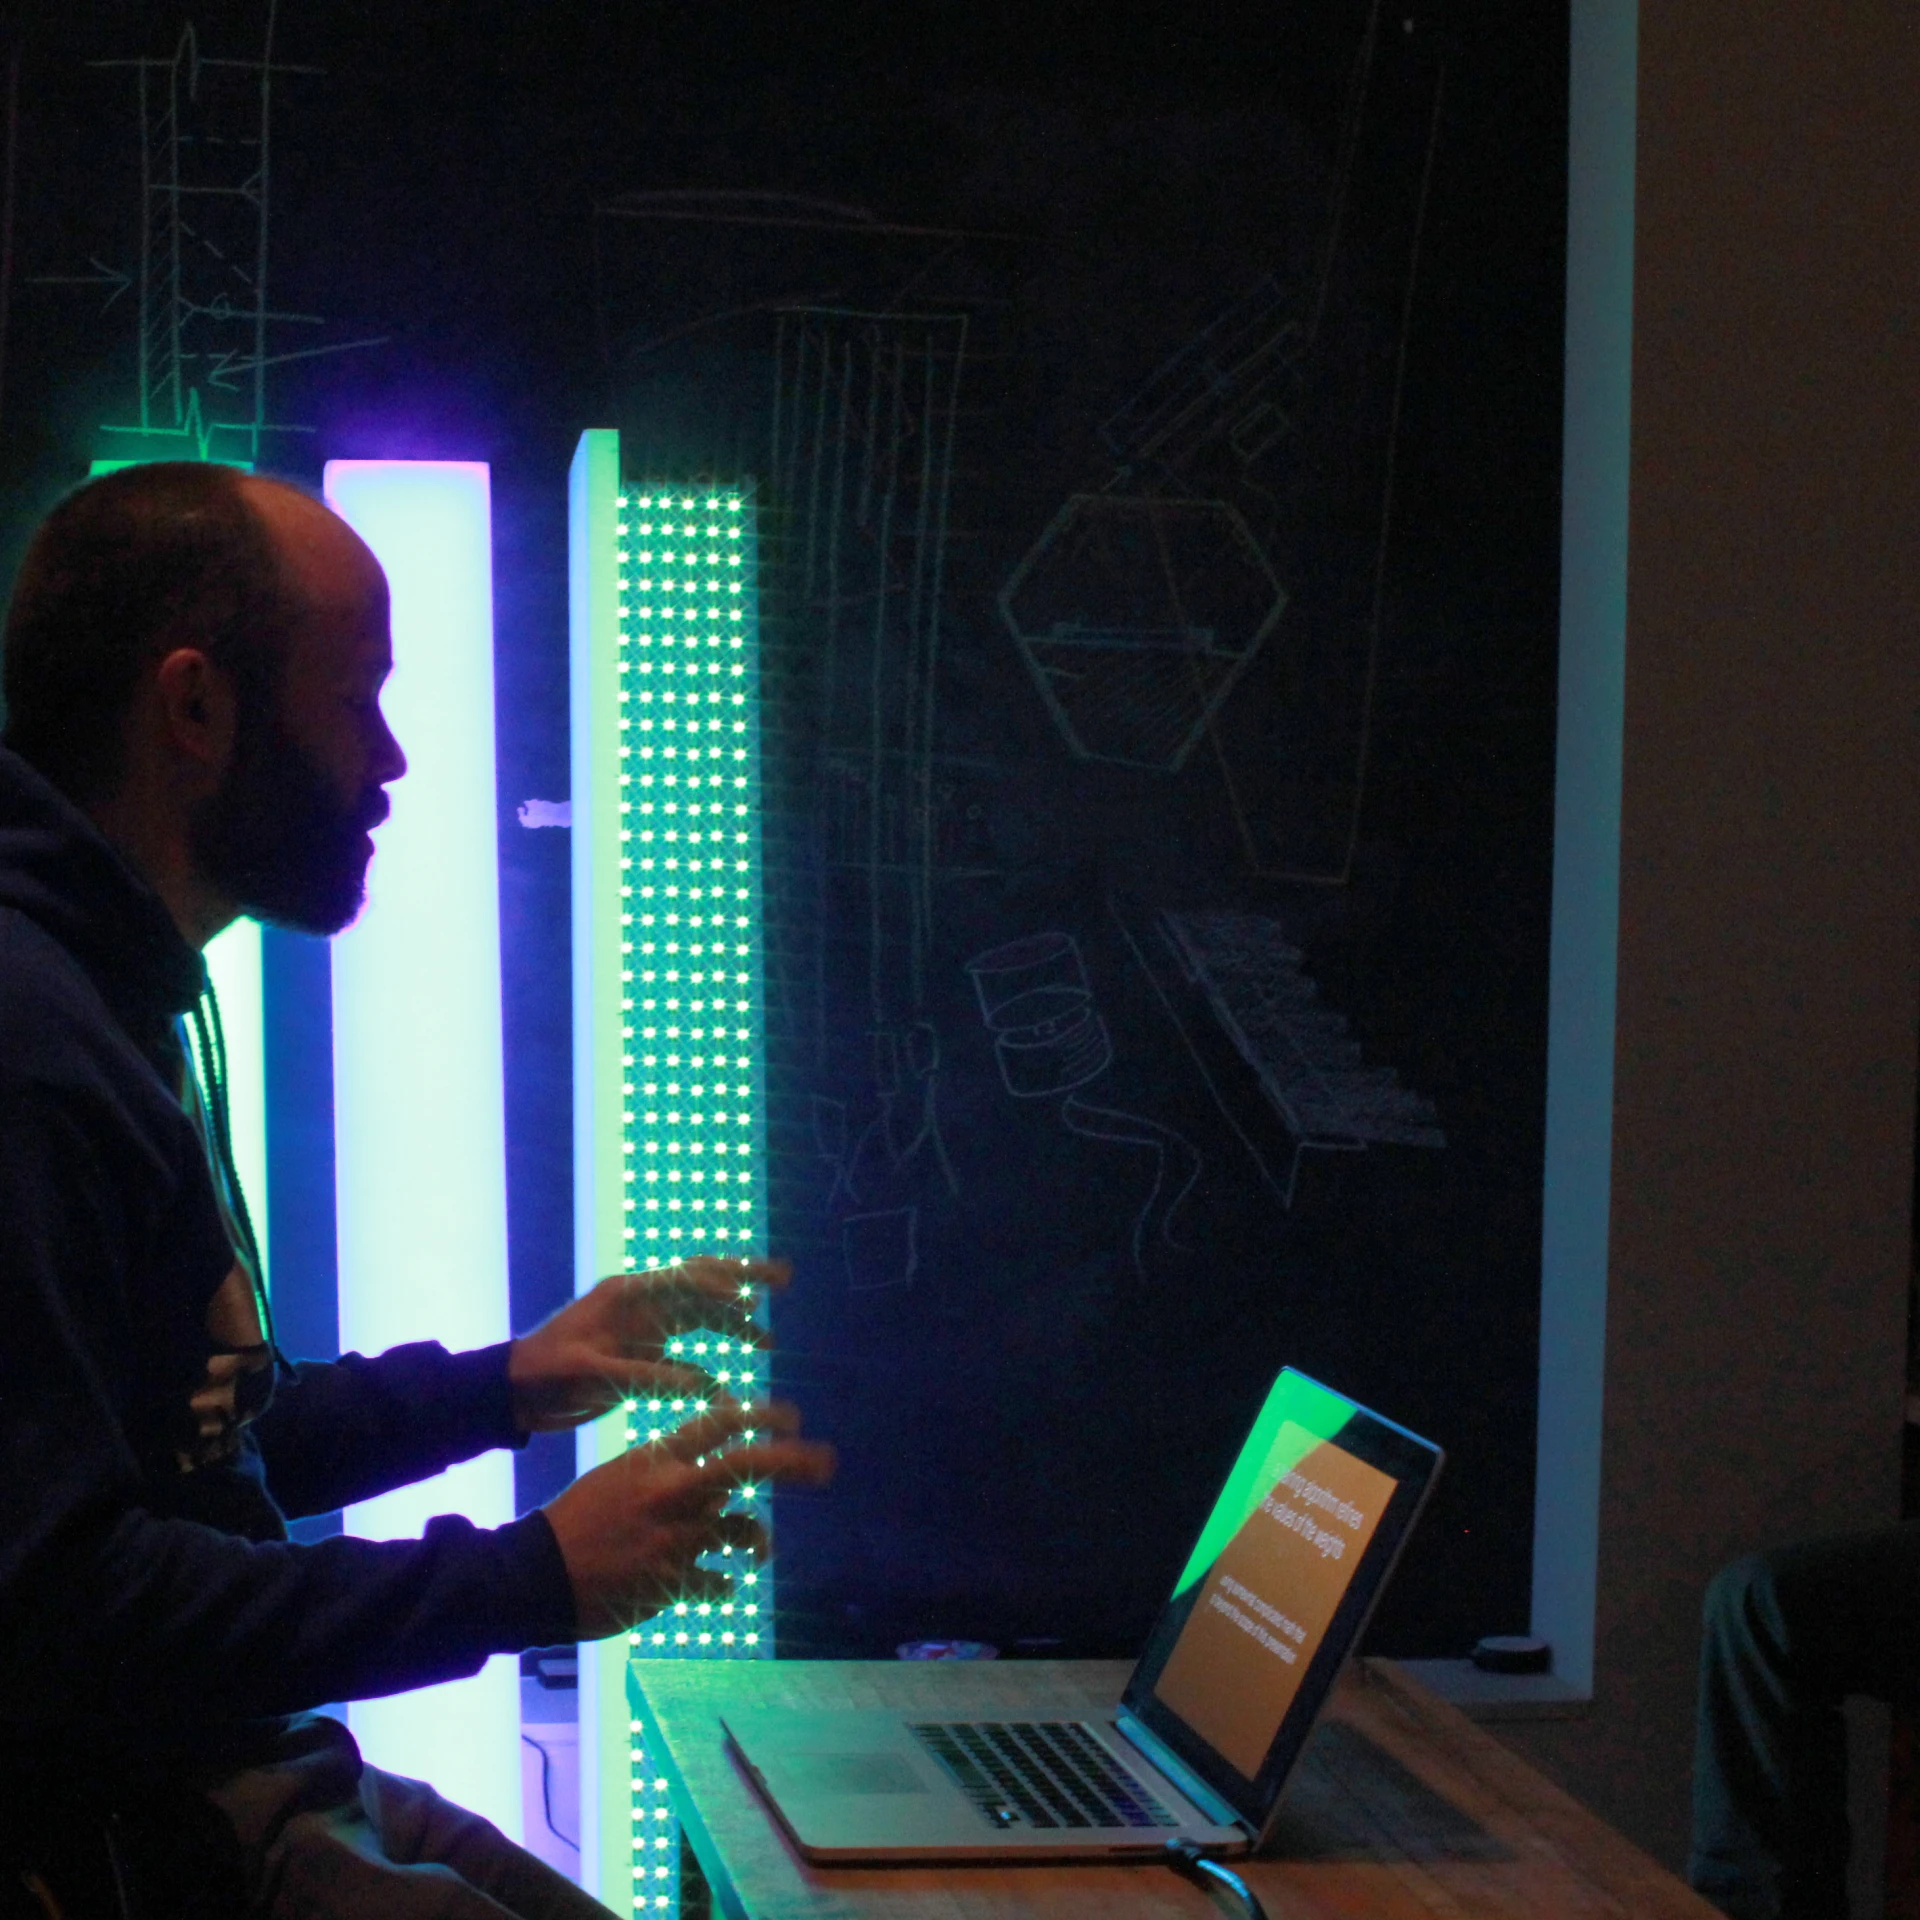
[[1136, 616]]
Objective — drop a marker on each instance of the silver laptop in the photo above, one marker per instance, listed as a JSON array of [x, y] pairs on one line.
[[1272, 1600]]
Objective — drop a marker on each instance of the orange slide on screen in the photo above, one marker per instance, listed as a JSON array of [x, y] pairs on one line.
[[1278, 1582]]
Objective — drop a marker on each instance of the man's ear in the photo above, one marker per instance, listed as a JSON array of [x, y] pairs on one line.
[[198, 708]]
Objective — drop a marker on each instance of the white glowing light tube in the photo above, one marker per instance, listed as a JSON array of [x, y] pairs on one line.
[[419, 1128], [233, 960]]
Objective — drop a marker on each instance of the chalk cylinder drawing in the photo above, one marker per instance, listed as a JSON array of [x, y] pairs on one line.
[[1048, 1037]]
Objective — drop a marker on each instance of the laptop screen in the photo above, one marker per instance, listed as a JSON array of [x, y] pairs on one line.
[[1277, 1588]]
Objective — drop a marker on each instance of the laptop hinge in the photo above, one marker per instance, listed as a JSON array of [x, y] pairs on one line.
[[1182, 1775]]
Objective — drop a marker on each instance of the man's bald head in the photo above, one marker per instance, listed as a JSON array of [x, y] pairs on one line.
[[135, 564], [322, 561]]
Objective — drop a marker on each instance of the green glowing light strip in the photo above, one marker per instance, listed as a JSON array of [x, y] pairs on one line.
[[693, 1105], [669, 1017]]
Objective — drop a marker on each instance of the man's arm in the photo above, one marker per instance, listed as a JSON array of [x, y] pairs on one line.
[[350, 1429], [109, 1608], [140, 1619], [133, 1618], [105, 1599]]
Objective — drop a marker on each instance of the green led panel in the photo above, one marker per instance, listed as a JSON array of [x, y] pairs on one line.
[[689, 876], [673, 1063]]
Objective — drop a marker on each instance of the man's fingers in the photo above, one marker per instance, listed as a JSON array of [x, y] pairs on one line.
[[786, 1463], [703, 1583], [692, 1583], [739, 1533], [716, 1271], [721, 1422], [711, 1274], [634, 1531], [705, 1291], [656, 1379]]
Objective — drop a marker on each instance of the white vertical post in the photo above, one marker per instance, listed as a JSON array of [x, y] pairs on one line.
[[1586, 835], [419, 1126], [599, 1214]]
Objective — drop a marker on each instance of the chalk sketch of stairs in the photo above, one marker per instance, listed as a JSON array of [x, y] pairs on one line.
[[1308, 1064]]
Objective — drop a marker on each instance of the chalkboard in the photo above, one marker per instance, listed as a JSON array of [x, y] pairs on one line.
[[1153, 416], [1156, 874]]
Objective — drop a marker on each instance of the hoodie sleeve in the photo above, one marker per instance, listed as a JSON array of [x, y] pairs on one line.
[[165, 1620], [354, 1428], [108, 1605]]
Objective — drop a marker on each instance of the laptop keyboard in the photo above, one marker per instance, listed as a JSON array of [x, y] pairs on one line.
[[1039, 1773]]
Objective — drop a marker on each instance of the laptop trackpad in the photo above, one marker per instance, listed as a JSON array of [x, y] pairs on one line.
[[845, 1773]]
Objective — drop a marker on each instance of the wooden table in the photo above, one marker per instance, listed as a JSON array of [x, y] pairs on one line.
[[1401, 1809]]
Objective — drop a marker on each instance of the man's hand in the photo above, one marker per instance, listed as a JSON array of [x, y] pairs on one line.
[[610, 1344], [631, 1530]]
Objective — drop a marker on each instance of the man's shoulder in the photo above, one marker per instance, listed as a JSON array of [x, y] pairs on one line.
[[55, 1028]]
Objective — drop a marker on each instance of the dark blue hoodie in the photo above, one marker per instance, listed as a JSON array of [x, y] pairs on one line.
[[149, 1597]]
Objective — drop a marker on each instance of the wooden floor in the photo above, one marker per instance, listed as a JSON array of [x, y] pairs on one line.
[[1401, 1809]]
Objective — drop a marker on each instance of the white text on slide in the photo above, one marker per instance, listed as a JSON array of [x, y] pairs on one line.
[[1247, 1624], [1329, 1545], [1310, 1493]]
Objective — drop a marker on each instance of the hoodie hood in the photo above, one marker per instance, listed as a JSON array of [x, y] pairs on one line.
[[60, 871]]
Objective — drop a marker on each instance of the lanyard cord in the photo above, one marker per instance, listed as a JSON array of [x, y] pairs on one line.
[[210, 1049]]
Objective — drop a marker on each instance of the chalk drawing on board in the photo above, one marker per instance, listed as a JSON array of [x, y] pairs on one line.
[[1281, 1185], [880, 1173], [905, 1134], [1049, 1040], [1147, 689], [1236, 381], [1136, 616], [1139, 606], [205, 330], [1307, 1064], [882, 1250], [861, 473]]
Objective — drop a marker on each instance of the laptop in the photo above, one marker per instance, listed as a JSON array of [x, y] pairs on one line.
[[1273, 1598]]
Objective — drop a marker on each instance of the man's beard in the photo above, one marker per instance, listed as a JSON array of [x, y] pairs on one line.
[[276, 839]]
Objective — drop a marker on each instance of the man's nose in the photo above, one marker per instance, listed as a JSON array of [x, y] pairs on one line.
[[389, 761]]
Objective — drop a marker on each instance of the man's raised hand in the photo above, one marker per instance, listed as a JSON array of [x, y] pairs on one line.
[[610, 1344], [632, 1529]]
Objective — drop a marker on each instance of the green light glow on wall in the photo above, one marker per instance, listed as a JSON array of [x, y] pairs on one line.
[[99, 467], [669, 1076]]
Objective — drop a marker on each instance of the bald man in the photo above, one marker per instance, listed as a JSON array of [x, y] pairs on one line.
[[193, 667]]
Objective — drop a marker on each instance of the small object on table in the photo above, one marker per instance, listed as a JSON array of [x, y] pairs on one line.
[[1513, 1653]]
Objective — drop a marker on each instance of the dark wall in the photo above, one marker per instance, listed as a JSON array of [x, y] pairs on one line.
[[1155, 423]]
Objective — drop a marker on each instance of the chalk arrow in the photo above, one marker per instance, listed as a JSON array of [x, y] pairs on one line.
[[101, 276]]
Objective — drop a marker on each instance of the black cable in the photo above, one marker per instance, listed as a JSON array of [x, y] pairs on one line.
[[1187, 1859], [546, 1791]]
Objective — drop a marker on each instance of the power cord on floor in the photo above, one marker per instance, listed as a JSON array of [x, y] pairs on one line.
[[1187, 1859]]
